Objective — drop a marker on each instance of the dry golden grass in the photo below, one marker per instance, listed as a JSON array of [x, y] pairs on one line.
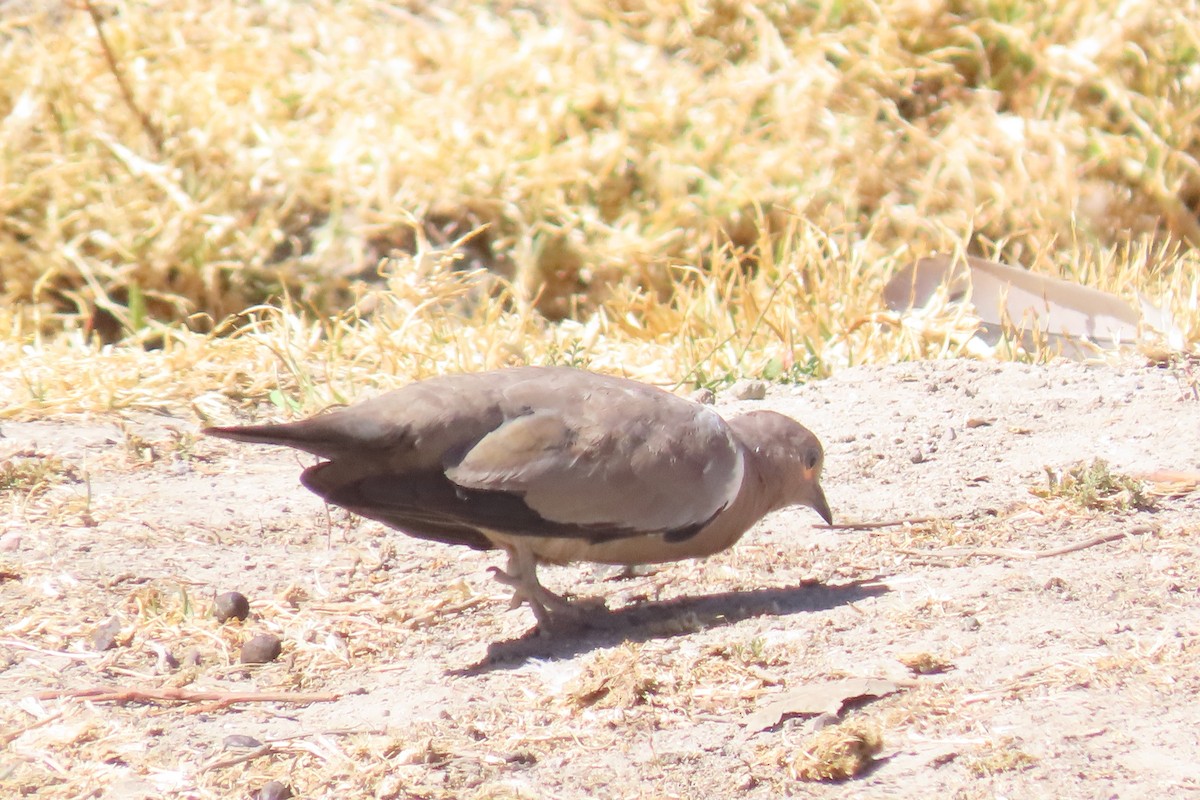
[[836, 753], [1001, 756], [681, 193]]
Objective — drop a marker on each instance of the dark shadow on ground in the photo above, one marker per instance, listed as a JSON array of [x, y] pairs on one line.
[[660, 620]]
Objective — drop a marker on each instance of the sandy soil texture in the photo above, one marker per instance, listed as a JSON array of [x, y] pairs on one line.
[[1036, 647]]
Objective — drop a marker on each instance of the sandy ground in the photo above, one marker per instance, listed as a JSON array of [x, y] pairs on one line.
[[1072, 674]]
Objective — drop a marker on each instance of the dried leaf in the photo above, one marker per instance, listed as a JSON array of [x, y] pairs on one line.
[[1040, 310]]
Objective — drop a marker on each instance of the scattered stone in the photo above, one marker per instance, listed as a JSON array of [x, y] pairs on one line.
[[104, 637], [748, 390], [619, 572], [231, 605], [917, 457], [240, 741], [979, 422], [262, 649], [704, 397], [274, 791], [10, 542]]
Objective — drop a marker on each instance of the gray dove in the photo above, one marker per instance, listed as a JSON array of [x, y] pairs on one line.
[[554, 465]]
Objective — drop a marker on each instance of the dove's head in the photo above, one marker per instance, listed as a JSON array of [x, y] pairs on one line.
[[788, 457]]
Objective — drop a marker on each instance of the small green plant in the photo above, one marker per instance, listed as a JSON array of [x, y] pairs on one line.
[[284, 402], [33, 473], [1096, 486], [751, 652], [797, 372], [138, 448], [573, 353], [184, 443]]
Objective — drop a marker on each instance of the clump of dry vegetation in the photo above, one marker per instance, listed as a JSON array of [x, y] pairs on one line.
[[1001, 756], [925, 663], [29, 473], [1095, 486], [836, 753], [616, 680], [380, 191]]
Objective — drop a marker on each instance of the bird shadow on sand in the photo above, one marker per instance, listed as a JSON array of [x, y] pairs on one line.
[[663, 619]]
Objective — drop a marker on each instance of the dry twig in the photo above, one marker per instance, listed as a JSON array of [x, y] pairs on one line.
[[872, 526], [106, 694], [9, 736], [1004, 552], [147, 125]]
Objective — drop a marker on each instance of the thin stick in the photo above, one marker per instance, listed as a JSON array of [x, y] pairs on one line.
[[106, 694], [257, 752], [7, 737], [870, 526], [149, 127], [45, 652], [1000, 552]]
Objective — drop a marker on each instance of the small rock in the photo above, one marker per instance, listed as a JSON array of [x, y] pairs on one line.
[[979, 422], [1055, 584], [274, 791], [105, 636], [619, 572], [748, 390], [231, 605], [823, 721], [917, 457], [262, 649], [240, 740], [971, 624], [10, 542], [704, 397]]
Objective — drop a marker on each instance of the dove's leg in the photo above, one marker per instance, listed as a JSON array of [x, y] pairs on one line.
[[551, 610]]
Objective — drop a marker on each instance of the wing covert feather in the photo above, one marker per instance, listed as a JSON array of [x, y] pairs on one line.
[[635, 460]]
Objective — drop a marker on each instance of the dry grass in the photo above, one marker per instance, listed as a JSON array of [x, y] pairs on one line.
[[836, 753], [682, 194], [1001, 756], [298, 204]]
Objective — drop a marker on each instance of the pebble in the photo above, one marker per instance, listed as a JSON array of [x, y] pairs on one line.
[[274, 791], [262, 649], [748, 390], [104, 637], [231, 605], [240, 740]]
